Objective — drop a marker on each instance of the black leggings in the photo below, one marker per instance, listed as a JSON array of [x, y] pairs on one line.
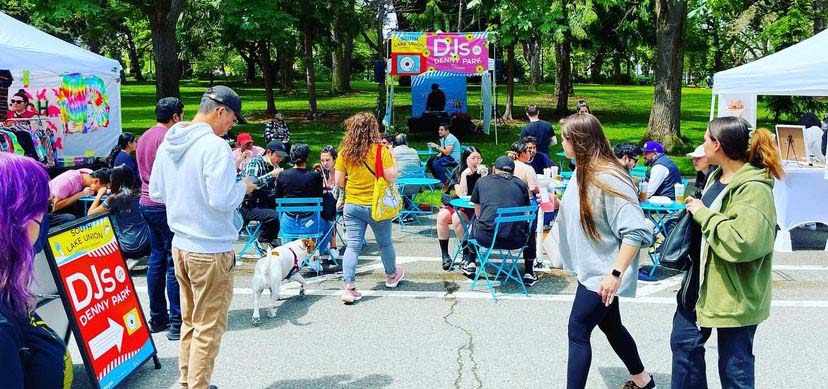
[[587, 312]]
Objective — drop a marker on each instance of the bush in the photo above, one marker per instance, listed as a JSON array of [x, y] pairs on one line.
[[793, 107]]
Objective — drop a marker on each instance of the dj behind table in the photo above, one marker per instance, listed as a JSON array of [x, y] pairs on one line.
[[425, 127]]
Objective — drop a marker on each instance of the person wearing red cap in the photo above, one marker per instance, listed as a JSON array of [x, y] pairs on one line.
[[245, 151]]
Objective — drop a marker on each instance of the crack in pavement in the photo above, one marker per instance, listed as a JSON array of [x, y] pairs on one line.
[[452, 287]]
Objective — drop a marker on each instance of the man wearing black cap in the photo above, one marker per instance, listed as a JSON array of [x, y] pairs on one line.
[[194, 176], [160, 267], [495, 191], [260, 205]]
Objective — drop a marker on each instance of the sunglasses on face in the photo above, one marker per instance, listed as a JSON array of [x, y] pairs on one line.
[[17, 101]]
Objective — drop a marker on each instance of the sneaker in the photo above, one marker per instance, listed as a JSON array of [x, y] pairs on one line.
[[644, 275], [350, 294], [632, 385], [333, 254], [394, 280], [530, 279], [342, 251], [447, 261], [155, 328], [469, 269], [174, 333]]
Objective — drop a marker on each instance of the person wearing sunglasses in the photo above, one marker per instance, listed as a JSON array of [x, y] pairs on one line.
[[628, 154], [18, 106]]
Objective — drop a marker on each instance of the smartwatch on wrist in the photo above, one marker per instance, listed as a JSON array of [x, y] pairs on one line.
[[615, 273]]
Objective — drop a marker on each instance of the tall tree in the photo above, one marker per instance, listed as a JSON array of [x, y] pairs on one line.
[[665, 115], [163, 17]]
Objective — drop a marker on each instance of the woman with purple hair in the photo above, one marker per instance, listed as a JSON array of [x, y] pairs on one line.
[[33, 355]]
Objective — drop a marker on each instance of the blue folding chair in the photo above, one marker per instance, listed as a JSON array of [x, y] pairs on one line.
[[301, 205], [252, 233], [509, 257]]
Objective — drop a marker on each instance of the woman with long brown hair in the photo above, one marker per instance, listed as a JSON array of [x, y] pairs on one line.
[[728, 286], [602, 230], [355, 172]]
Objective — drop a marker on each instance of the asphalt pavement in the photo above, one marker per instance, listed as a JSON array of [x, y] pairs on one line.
[[433, 331]]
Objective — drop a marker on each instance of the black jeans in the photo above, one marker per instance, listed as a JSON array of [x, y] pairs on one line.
[[736, 360], [587, 312], [269, 220]]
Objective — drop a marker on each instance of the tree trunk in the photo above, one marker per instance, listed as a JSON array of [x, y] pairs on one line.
[[134, 57], [531, 50], [460, 7], [382, 95], [616, 66], [510, 81], [268, 73], [163, 16], [346, 63], [307, 27], [819, 16], [564, 85], [718, 52], [664, 125], [285, 59], [337, 52], [598, 63], [248, 54]]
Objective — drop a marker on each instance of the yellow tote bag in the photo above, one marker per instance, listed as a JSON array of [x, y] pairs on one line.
[[387, 202]]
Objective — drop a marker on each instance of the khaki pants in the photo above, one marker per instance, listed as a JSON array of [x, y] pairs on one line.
[[206, 283]]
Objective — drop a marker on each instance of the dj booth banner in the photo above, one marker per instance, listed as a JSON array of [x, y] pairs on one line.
[[413, 53], [452, 85]]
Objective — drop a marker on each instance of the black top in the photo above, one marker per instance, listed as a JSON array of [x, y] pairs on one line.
[[542, 131], [493, 192], [540, 162], [43, 362], [296, 182], [436, 101], [713, 191]]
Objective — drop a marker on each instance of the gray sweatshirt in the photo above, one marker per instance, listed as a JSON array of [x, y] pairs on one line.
[[617, 221]]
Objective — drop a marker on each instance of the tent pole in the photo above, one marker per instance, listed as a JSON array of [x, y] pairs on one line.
[[494, 89], [712, 105]]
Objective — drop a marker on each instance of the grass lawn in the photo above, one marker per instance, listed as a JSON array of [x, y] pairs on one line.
[[623, 110]]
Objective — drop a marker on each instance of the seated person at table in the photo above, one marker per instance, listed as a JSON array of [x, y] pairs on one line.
[[813, 136], [448, 154], [470, 171], [245, 151], [408, 165], [520, 155], [628, 154], [299, 182], [663, 174], [436, 100], [538, 161], [496, 191], [277, 129], [132, 231], [541, 130], [68, 187], [260, 205]]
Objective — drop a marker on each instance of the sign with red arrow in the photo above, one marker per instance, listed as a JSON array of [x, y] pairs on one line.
[[100, 300]]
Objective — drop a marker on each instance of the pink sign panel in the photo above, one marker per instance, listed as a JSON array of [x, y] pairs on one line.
[[458, 53]]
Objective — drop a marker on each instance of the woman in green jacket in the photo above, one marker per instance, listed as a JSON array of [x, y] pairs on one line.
[[729, 286]]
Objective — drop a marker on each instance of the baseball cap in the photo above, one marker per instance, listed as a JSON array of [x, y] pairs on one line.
[[168, 106], [504, 163], [227, 97], [652, 146], [697, 153], [277, 147], [243, 139]]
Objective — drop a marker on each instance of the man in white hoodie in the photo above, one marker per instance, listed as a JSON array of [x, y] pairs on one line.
[[194, 176]]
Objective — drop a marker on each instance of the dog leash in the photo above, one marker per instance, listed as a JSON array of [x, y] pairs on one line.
[[295, 268]]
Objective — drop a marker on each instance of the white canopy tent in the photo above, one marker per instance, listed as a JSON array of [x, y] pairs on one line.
[[77, 91], [799, 70]]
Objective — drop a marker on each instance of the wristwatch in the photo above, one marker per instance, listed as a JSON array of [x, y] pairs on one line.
[[615, 273]]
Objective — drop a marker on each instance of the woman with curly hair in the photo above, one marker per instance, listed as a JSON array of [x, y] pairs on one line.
[[32, 355], [355, 172]]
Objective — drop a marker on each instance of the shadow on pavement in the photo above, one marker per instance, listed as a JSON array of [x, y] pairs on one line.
[[291, 310], [145, 376], [615, 377], [341, 381]]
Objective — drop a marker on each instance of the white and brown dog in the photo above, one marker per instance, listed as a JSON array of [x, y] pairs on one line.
[[280, 264]]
